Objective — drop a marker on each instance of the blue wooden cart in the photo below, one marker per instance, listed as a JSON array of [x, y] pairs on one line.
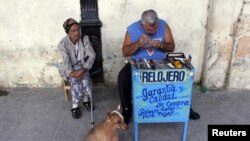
[[161, 95]]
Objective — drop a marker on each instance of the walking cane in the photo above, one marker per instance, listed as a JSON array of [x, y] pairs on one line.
[[91, 105], [92, 116]]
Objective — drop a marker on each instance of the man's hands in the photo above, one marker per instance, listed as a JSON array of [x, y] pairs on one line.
[[146, 41], [156, 43], [78, 74]]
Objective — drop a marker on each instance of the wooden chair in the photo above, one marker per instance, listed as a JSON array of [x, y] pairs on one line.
[[66, 88]]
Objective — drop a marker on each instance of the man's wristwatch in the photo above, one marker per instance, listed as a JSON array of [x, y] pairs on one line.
[[161, 46]]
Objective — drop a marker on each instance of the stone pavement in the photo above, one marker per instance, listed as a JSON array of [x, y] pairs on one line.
[[43, 115]]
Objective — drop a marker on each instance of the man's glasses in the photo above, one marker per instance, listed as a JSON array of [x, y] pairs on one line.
[[150, 29]]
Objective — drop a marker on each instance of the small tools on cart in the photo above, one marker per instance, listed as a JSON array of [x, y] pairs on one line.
[[173, 60], [178, 60]]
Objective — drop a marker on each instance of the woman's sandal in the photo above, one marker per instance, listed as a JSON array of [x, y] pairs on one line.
[[76, 112]]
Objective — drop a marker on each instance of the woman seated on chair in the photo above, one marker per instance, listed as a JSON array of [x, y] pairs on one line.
[[78, 57]]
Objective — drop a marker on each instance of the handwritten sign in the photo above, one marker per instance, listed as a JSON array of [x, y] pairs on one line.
[[161, 95]]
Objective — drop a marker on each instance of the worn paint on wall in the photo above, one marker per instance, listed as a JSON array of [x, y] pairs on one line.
[[220, 43], [228, 62], [243, 49], [219, 53], [239, 77], [30, 32]]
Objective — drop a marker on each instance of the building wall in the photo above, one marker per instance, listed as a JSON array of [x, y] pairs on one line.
[[214, 32], [239, 70], [218, 48], [187, 20], [227, 57], [30, 32]]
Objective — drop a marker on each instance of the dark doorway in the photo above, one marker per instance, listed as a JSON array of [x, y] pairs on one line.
[[91, 26]]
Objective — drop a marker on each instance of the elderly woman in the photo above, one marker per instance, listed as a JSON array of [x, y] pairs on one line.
[[78, 57]]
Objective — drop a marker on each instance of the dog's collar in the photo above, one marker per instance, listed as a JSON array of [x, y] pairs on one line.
[[118, 113]]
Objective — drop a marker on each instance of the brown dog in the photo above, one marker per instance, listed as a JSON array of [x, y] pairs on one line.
[[107, 129]]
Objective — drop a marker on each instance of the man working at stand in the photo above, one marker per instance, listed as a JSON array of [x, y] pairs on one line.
[[148, 38]]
